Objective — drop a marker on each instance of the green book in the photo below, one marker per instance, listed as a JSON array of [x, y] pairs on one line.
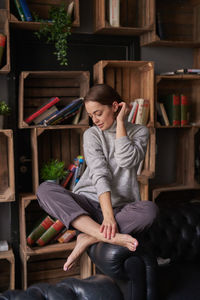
[[39, 230], [50, 233], [173, 108]]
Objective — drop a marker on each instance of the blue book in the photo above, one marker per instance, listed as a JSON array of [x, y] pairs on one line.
[[26, 10]]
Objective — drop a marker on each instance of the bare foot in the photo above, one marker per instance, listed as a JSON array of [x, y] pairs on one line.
[[124, 240], [82, 243]]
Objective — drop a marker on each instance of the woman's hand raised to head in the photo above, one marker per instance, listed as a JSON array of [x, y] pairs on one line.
[[124, 110]]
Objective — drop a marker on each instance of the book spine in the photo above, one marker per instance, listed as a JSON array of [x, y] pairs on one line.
[[114, 13], [2, 46], [176, 110], [135, 114], [145, 112], [39, 230], [140, 111], [71, 170], [184, 110], [67, 236], [20, 10], [26, 10], [42, 109], [51, 232]]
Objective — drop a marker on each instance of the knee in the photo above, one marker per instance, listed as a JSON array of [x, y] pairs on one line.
[[42, 190], [151, 212]]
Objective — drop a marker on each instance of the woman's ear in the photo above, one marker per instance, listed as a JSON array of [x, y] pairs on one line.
[[115, 106]]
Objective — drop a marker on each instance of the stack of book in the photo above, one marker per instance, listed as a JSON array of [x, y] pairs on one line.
[[173, 110], [139, 113], [49, 231], [74, 172], [49, 114]]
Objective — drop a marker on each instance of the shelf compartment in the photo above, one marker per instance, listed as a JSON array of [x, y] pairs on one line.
[[7, 178], [54, 143], [136, 18], [175, 158], [7, 278], [188, 85], [38, 263], [179, 22], [4, 28], [41, 8], [37, 87], [132, 79]]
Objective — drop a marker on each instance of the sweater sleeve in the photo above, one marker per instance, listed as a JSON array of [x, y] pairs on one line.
[[96, 162], [130, 150]]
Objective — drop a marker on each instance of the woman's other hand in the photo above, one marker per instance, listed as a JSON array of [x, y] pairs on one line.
[[109, 228]]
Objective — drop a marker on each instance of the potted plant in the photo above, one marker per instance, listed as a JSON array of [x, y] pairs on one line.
[[4, 111], [54, 170], [57, 30]]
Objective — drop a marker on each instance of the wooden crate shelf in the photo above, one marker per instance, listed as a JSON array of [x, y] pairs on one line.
[[36, 88], [63, 144], [188, 85], [136, 18], [7, 178], [7, 257], [41, 8], [29, 212], [132, 79], [179, 22], [4, 28]]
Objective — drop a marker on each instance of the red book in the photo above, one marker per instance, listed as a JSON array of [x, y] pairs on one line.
[[184, 110], [39, 230], [2, 46], [41, 109], [71, 170], [135, 114]]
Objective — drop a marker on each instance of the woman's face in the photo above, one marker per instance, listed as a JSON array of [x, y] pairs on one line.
[[102, 116]]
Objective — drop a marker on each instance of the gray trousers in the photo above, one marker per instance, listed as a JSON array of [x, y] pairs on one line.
[[67, 206]]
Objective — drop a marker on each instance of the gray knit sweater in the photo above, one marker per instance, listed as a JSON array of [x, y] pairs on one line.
[[112, 163]]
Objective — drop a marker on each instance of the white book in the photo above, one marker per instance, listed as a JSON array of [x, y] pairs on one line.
[[143, 111], [134, 106], [114, 13]]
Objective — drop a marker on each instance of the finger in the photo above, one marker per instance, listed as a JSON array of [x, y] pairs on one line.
[[101, 228], [113, 231], [105, 232], [109, 231]]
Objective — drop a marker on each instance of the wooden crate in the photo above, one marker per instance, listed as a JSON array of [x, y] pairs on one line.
[[7, 274], [132, 79], [4, 28], [136, 17], [179, 22], [49, 143], [36, 88], [38, 263], [7, 177], [41, 8]]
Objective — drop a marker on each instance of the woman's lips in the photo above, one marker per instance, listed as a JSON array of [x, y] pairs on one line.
[[100, 125]]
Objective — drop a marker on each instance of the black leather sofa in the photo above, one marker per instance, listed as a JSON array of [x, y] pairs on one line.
[[99, 287], [166, 264]]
